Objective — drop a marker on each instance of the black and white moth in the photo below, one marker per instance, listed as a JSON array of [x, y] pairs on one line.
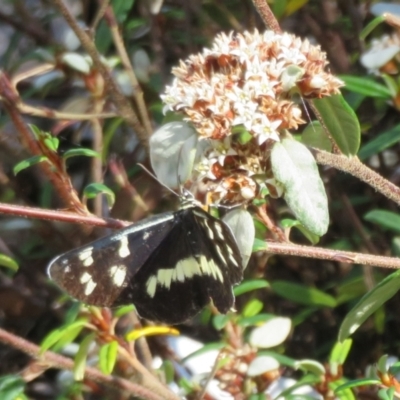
[[169, 266]]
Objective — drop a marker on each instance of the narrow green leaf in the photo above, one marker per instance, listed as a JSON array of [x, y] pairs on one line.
[[381, 364], [37, 132], [394, 369], [8, 262], [53, 337], [28, 163], [80, 152], [282, 359], [252, 308], [293, 223], [366, 86], [368, 304], [340, 352], [380, 143], [386, 219], [93, 189], [67, 338], [81, 355], [204, 349], [303, 294], [308, 379], [311, 366], [219, 321], [119, 312], [357, 382], [314, 135], [387, 393], [254, 320], [371, 26], [341, 121], [259, 245], [108, 357], [12, 387], [249, 286], [345, 394], [51, 143]]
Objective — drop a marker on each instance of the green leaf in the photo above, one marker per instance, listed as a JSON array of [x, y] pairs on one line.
[[252, 308], [293, 223], [80, 152], [311, 366], [371, 26], [380, 143], [314, 135], [381, 364], [303, 294], [295, 168], [122, 8], [52, 143], [58, 334], [305, 380], [249, 286], [28, 163], [357, 382], [259, 245], [340, 352], [81, 355], [345, 394], [8, 262], [254, 320], [219, 321], [93, 189], [282, 359], [108, 357], [204, 349], [124, 310], [12, 387], [368, 304], [37, 132], [366, 86], [386, 219], [341, 121], [394, 369], [387, 393], [350, 290]]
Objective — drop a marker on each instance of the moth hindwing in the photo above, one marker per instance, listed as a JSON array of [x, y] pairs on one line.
[[169, 266]]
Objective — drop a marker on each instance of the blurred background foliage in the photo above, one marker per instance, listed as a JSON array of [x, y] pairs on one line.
[[316, 295]]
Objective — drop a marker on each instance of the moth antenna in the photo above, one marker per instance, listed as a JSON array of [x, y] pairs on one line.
[[155, 178]]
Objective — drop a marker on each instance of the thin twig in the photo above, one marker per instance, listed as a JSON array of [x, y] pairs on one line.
[[290, 249], [137, 90], [99, 15], [267, 15], [273, 247], [124, 108], [355, 167], [53, 360], [62, 216], [58, 178]]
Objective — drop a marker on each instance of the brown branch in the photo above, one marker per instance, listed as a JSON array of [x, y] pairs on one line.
[[137, 90], [62, 216], [53, 360], [273, 247], [32, 29], [121, 103], [267, 15], [355, 167], [290, 249], [58, 178]]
